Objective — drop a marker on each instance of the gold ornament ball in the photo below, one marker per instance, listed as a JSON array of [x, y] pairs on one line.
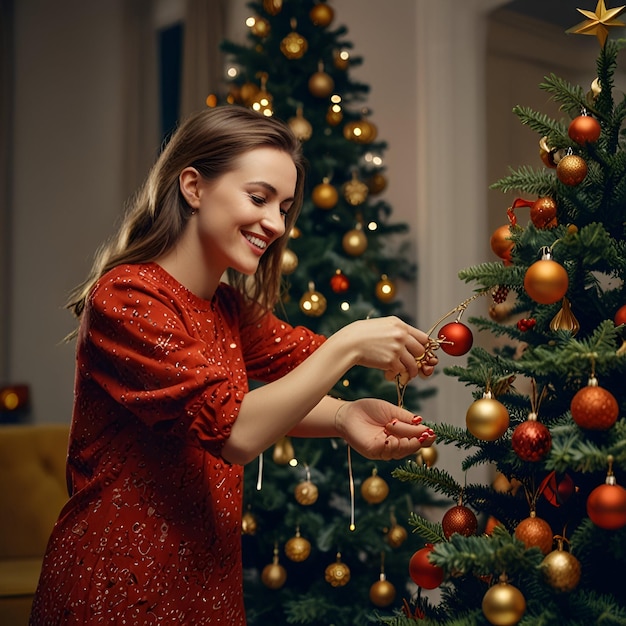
[[289, 261], [294, 46], [374, 489], [396, 536], [334, 115], [337, 574], [561, 570], [361, 131], [248, 524], [313, 303], [283, 451], [300, 126], [298, 549], [274, 575], [325, 196], [535, 532], [571, 170], [306, 493], [261, 27], [321, 84], [487, 419], [427, 456], [385, 290], [321, 14], [546, 281], [272, 7], [377, 183], [504, 604], [382, 593], [354, 242], [355, 192]]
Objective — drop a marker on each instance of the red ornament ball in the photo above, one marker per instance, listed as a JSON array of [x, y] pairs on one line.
[[543, 213], [535, 532], [594, 408], [620, 316], [546, 281], [501, 243], [459, 519], [584, 129], [606, 506], [422, 571], [531, 440], [339, 282], [571, 170], [457, 338]]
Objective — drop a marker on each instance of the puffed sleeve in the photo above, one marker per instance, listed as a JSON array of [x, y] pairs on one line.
[[272, 347], [142, 348]]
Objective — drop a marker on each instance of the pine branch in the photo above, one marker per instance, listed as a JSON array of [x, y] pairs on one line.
[[541, 123], [571, 97], [528, 179]]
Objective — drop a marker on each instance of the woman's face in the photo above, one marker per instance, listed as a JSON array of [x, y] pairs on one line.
[[243, 212]]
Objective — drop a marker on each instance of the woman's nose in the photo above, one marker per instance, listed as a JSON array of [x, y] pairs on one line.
[[274, 220]]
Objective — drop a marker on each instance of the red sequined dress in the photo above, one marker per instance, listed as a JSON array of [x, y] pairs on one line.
[[152, 531]]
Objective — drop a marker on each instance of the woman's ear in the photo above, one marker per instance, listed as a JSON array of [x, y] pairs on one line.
[[188, 181]]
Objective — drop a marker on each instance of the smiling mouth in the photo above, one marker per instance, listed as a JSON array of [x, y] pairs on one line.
[[256, 241]]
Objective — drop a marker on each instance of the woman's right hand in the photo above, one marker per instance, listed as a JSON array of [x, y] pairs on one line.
[[389, 344]]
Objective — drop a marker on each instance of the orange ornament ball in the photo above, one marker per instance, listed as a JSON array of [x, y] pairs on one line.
[[543, 213], [584, 129], [594, 408], [535, 532], [606, 506], [546, 281], [501, 243], [571, 170]]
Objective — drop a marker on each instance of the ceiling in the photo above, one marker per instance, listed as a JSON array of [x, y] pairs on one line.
[[559, 12]]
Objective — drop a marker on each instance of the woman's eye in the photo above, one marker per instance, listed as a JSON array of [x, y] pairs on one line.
[[260, 200]]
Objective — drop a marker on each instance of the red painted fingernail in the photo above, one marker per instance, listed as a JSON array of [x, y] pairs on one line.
[[417, 419]]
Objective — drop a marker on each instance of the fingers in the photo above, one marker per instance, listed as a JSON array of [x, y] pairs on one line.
[[411, 430], [400, 448]]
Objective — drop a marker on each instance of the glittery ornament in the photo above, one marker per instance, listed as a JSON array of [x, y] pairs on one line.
[[561, 569], [543, 212], [503, 604], [355, 191], [298, 548], [501, 243], [584, 129], [382, 592], [593, 407], [337, 574], [424, 573], [456, 338], [606, 504], [325, 196], [306, 493], [571, 170], [546, 281], [535, 532], [531, 440], [500, 294], [459, 519], [374, 489], [487, 418]]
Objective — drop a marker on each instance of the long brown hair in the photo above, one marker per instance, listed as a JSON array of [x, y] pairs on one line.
[[210, 141]]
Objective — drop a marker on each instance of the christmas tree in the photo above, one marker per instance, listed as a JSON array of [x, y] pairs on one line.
[[545, 543], [324, 538]]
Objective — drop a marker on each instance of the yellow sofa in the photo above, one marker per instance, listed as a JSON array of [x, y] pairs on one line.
[[32, 492]]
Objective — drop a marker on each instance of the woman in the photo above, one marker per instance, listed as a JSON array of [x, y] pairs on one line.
[[163, 418]]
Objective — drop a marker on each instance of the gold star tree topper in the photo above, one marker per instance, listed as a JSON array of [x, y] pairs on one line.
[[599, 22]]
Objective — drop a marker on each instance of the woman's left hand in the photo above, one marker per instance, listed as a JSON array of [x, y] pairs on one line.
[[378, 429]]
